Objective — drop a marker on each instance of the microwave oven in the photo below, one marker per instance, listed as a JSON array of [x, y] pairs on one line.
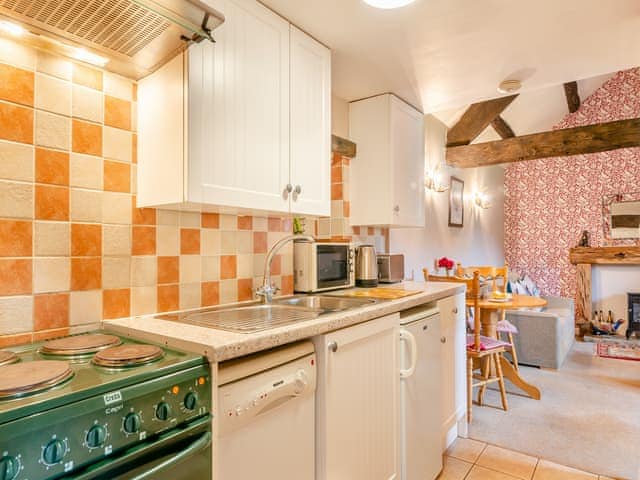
[[321, 266]]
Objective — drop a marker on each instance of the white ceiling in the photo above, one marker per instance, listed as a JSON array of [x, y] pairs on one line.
[[442, 54], [532, 111]]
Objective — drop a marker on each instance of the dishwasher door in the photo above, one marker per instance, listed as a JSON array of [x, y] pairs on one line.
[[267, 423]]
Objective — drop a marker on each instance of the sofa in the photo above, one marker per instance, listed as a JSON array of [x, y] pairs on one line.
[[545, 335]]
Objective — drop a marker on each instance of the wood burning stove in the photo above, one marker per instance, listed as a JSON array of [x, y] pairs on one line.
[[634, 313]]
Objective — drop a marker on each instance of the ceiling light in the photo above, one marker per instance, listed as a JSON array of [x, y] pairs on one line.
[[11, 28], [87, 56], [388, 4], [509, 86]]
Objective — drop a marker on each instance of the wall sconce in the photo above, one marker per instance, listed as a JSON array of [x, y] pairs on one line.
[[433, 180], [481, 199]]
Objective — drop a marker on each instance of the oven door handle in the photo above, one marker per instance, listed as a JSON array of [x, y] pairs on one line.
[[196, 447]]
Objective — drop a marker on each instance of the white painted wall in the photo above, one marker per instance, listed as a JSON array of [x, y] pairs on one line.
[[480, 241], [339, 117], [610, 285]]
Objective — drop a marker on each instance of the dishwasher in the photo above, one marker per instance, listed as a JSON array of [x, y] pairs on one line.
[[266, 412]]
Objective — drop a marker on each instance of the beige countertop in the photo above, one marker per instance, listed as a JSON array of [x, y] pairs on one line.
[[220, 345]]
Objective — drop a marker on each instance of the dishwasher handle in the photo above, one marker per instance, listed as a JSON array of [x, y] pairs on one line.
[[241, 409]]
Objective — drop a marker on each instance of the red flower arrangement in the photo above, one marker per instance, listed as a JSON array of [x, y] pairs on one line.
[[447, 263]]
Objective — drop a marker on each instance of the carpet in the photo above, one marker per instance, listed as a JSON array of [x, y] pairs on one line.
[[618, 350], [588, 417]]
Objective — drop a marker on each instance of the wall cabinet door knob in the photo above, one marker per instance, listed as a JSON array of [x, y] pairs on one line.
[[396, 208], [289, 188], [333, 346], [298, 189], [455, 311], [443, 340]]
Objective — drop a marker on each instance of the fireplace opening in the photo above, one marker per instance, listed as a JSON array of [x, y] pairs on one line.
[[633, 313]]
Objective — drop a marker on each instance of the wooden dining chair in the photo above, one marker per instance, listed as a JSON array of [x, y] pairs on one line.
[[485, 351], [493, 274]]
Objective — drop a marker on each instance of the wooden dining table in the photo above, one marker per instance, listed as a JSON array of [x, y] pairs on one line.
[[490, 310]]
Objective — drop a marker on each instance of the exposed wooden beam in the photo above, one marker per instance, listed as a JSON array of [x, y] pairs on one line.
[[573, 97], [343, 146], [501, 126], [601, 137], [475, 119]]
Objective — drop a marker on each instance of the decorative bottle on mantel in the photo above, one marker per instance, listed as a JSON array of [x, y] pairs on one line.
[[600, 317], [610, 317]]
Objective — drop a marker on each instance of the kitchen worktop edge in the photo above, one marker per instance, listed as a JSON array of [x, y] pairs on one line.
[[219, 345]]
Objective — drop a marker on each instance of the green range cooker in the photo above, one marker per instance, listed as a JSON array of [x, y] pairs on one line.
[[99, 406]]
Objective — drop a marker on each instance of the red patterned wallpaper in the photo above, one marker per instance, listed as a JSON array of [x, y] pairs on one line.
[[549, 202]]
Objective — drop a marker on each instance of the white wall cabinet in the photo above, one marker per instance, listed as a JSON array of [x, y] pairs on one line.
[[253, 118], [310, 125], [387, 175], [454, 355], [357, 401]]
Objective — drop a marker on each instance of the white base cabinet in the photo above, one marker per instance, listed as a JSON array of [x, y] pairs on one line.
[[242, 124], [454, 355], [357, 402]]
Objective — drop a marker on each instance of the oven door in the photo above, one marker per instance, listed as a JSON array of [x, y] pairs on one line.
[[181, 454], [333, 266]]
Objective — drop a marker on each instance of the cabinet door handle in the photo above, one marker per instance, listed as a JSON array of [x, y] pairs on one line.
[[455, 311], [333, 346], [289, 188], [408, 337], [298, 190], [396, 208], [443, 340]]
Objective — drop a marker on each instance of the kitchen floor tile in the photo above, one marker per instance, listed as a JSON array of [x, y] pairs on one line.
[[466, 449], [481, 473], [454, 469], [507, 461], [552, 471]]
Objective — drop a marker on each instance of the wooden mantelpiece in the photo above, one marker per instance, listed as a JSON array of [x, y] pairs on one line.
[[583, 258], [605, 255]]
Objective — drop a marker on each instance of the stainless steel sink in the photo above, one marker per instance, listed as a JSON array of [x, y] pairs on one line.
[[255, 318], [325, 302], [260, 317]]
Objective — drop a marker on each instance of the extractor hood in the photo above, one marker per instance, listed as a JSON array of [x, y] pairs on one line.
[[134, 37]]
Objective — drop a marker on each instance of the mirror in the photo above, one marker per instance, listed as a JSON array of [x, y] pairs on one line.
[[621, 215]]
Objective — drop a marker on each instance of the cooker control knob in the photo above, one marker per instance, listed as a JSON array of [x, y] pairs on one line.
[[163, 411], [132, 423], [9, 468], [54, 452], [96, 436], [191, 400]]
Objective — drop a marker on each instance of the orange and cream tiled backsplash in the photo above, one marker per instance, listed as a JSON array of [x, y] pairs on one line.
[[74, 249]]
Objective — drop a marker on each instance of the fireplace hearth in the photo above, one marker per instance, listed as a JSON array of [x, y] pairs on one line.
[[633, 313]]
